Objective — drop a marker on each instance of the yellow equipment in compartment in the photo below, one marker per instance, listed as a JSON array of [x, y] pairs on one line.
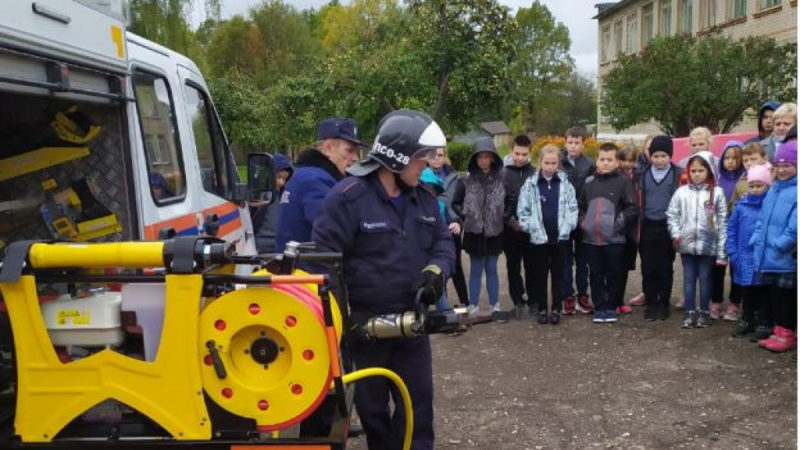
[[73, 141], [278, 355], [69, 226]]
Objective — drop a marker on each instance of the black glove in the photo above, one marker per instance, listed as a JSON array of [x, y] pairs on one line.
[[431, 284]]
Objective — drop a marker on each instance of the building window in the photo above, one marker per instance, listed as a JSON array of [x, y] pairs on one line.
[[647, 24], [632, 34], [618, 38], [738, 8], [666, 18], [708, 14], [764, 4], [605, 48], [685, 20]]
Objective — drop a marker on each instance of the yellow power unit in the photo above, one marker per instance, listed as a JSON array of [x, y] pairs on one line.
[[262, 352]]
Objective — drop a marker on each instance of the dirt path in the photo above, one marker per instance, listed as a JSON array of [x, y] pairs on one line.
[[634, 384]]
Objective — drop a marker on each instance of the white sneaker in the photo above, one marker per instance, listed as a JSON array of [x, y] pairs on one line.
[[472, 310], [496, 308]]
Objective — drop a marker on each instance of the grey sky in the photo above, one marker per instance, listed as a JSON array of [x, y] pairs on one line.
[[575, 14]]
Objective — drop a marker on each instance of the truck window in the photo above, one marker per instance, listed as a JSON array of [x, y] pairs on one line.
[[209, 141], [157, 118]]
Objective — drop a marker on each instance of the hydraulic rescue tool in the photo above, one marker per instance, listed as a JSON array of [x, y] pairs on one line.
[[163, 343]]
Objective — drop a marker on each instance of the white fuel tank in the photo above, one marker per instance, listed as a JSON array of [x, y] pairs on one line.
[[91, 321]]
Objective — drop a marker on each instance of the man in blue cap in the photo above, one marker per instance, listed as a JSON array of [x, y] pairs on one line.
[[317, 170]]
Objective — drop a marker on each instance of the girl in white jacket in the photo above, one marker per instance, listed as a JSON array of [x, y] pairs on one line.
[[548, 211], [697, 222]]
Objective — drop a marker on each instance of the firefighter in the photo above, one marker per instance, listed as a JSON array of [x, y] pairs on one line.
[[395, 244]]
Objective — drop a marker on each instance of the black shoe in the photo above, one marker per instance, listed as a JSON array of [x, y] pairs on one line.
[[762, 332], [542, 317], [663, 313], [355, 430], [743, 329], [650, 314], [555, 318]]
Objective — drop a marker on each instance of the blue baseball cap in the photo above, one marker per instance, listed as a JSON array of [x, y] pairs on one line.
[[338, 128]]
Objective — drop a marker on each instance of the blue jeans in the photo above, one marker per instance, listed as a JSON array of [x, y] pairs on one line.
[[477, 265], [575, 250], [697, 267]]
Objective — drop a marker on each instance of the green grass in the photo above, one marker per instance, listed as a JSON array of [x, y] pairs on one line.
[[242, 169]]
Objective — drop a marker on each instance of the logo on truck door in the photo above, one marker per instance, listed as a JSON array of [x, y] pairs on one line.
[[193, 224]]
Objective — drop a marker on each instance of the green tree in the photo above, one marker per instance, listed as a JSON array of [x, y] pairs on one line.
[[238, 46], [467, 47], [242, 108], [288, 45], [682, 82], [167, 22], [542, 71]]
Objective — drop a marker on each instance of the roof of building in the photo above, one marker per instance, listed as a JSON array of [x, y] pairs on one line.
[[495, 128], [607, 8]]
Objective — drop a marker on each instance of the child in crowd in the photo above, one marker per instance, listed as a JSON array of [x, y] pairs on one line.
[[658, 183], [697, 221], [700, 139], [265, 215], [515, 240], [607, 205], [764, 121], [775, 251], [741, 226], [548, 212], [627, 159], [752, 154], [642, 164], [783, 119], [479, 201], [577, 167], [730, 170], [443, 169], [435, 184]]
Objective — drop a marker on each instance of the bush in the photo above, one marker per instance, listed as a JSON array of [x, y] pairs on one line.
[[589, 148], [459, 153]]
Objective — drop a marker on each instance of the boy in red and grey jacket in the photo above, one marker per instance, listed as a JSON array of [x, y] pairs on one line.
[[607, 205]]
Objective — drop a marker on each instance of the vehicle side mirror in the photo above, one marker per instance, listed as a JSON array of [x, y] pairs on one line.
[[260, 177]]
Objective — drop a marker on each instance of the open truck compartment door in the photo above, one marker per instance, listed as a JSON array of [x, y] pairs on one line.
[[65, 167]]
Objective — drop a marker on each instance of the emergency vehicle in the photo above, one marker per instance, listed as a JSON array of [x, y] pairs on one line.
[[106, 136]]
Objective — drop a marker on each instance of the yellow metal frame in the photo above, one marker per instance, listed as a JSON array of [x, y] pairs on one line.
[[50, 394], [18, 165]]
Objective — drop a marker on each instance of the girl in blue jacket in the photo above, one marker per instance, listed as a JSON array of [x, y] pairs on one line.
[[775, 254], [741, 227]]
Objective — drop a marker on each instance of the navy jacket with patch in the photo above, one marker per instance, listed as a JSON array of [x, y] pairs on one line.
[[385, 247], [301, 201]]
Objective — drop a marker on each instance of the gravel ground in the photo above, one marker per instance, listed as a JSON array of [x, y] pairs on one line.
[[633, 384]]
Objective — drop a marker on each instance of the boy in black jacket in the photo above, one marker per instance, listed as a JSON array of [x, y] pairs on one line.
[[516, 242], [577, 167], [607, 205]]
